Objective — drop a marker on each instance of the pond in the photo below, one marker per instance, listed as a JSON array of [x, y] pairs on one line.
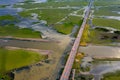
[[101, 51]]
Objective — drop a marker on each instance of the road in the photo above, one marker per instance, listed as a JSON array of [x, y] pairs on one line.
[[67, 69]]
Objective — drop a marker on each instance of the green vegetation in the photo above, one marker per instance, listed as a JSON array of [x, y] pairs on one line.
[[3, 6], [54, 16], [68, 24], [112, 76], [65, 28], [98, 36], [7, 17], [106, 11], [106, 22], [85, 37], [52, 4], [77, 62], [11, 59], [11, 30], [106, 2]]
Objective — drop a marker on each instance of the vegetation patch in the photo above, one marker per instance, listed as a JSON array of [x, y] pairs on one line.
[[11, 30], [77, 62], [102, 37], [55, 15], [85, 37], [106, 2], [52, 4], [11, 59], [106, 23], [65, 28], [7, 17], [112, 76]]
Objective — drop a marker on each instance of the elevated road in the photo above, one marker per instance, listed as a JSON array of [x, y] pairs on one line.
[[67, 70]]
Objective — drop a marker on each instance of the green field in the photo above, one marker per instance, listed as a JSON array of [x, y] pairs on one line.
[[68, 24], [7, 17], [106, 23], [106, 2], [52, 16], [107, 11], [11, 30], [52, 4], [11, 59], [112, 76]]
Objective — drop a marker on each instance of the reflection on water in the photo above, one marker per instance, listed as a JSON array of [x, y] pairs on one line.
[[104, 67], [101, 51], [29, 44]]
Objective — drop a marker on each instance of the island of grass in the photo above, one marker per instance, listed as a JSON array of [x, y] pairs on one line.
[[106, 23], [7, 17], [107, 11], [16, 58], [112, 76], [106, 2], [14, 31], [11, 59], [53, 4]]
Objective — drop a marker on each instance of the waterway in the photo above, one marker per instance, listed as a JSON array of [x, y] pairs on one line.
[[102, 67]]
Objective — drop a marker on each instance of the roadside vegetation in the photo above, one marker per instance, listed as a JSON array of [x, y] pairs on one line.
[[85, 38], [14, 31], [77, 62]]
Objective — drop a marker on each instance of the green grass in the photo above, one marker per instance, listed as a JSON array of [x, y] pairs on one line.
[[7, 17], [65, 28], [3, 6], [106, 23], [106, 2], [11, 30], [112, 76], [50, 15], [53, 4], [107, 11], [11, 59]]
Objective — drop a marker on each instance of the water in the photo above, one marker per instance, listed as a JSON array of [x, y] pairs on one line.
[[101, 51], [29, 44], [8, 2]]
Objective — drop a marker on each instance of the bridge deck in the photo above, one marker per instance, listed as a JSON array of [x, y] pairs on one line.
[[66, 72]]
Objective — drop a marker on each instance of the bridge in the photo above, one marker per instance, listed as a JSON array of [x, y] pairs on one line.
[[67, 69]]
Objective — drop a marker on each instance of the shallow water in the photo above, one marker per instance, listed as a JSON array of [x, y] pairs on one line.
[[101, 51]]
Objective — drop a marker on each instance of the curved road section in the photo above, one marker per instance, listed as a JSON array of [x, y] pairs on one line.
[[67, 70]]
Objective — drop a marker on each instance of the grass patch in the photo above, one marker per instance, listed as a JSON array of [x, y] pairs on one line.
[[106, 23], [77, 62], [7, 17], [11, 59], [85, 37], [54, 15], [11, 30], [106, 2], [3, 6], [112, 76], [65, 28], [52, 4], [107, 11]]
